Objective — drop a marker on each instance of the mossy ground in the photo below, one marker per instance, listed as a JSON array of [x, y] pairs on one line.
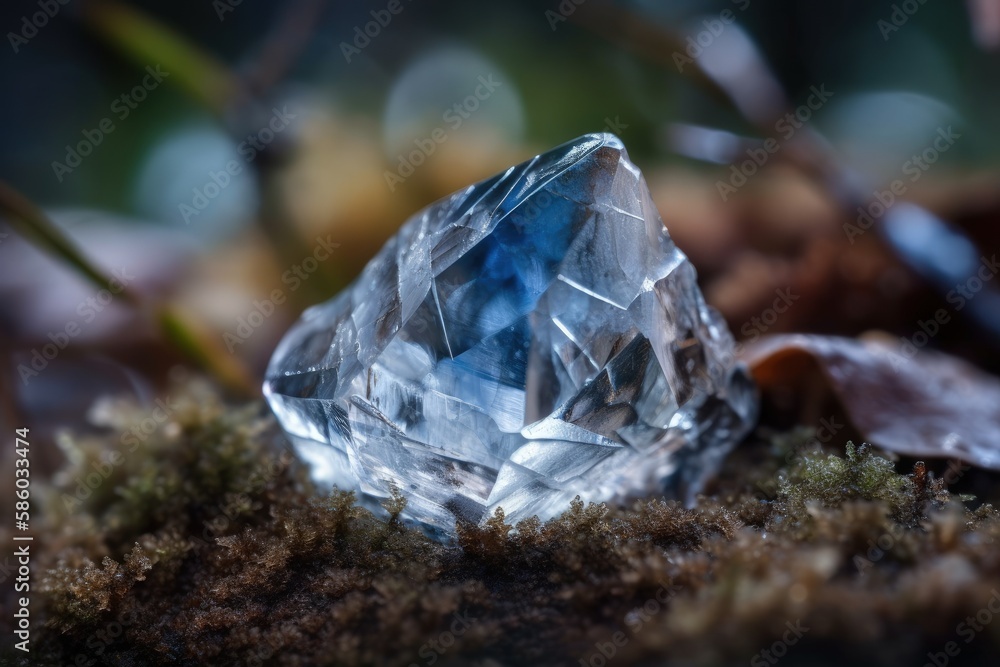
[[206, 545]]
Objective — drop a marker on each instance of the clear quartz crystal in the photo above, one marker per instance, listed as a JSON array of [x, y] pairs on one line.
[[531, 338]]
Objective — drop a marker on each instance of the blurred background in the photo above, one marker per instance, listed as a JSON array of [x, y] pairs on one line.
[[236, 161]]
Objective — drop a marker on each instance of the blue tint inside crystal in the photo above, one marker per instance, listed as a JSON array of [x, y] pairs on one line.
[[529, 339]]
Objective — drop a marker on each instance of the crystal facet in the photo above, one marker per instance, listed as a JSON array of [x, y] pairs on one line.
[[531, 338]]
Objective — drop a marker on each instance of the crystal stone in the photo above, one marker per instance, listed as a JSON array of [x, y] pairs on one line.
[[532, 338]]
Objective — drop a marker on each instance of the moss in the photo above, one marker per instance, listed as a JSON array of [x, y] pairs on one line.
[[79, 591], [830, 480], [216, 550]]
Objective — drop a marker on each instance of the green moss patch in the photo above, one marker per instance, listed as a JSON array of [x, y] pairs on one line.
[[207, 545]]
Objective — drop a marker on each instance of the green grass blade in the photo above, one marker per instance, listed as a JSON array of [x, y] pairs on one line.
[[148, 42], [29, 220]]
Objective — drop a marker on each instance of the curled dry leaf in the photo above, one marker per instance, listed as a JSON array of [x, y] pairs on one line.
[[915, 403]]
